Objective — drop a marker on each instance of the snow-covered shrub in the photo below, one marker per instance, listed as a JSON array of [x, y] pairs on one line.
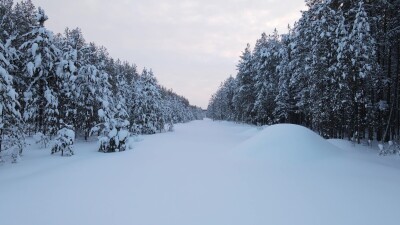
[[121, 139], [64, 142], [392, 148], [113, 131], [41, 139], [114, 141], [12, 149]]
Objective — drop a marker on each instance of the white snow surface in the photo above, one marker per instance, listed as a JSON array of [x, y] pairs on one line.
[[206, 173]]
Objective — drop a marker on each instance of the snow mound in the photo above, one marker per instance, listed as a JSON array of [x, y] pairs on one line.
[[287, 142]]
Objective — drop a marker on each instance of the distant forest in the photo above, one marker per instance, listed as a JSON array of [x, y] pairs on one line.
[[56, 86], [336, 71]]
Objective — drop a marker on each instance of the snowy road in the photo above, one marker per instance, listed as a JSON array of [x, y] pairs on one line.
[[202, 174]]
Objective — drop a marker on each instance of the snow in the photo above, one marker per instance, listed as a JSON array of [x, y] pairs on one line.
[[37, 137], [38, 60], [72, 67], [206, 172], [101, 113], [304, 145], [49, 96], [112, 133], [12, 94], [69, 133], [34, 48], [122, 134], [30, 67]]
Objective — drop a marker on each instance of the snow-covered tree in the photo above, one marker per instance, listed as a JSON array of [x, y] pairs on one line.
[[221, 104], [64, 141], [11, 135], [71, 59], [266, 59], [244, 98], [41, 95], [285, 110], [363, 63], [322, 66], [113, 132], [147, 112]]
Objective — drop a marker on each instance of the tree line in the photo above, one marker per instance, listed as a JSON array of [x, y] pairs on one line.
[[336, 71], [56, 86]]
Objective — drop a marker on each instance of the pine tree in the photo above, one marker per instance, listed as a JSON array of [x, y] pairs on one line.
[[147, 110], [11, 135], [41, 96], [266, 59], [88, 85], [221, 104], [301, 61], [322, 68], [121, 115], [69, 64], [285, 110], [244, 98], [64, 141], [363, 63]]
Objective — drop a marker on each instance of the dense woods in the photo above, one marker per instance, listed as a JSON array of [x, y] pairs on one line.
[[56, 86], [335, 71]]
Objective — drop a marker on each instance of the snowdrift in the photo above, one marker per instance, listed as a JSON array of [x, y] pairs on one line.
[[287, 142]]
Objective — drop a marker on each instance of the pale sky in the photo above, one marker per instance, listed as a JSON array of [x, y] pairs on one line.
[[191, 45]]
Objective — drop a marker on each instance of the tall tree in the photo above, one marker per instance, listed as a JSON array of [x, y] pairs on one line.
[[148, 117], [11, 135], [41, 96], [244, 98], [266, 59]]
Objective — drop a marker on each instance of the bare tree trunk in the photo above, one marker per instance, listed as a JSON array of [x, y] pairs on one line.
[[388, 125]]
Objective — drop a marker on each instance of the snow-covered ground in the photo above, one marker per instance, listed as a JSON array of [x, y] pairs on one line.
[[206, 173]]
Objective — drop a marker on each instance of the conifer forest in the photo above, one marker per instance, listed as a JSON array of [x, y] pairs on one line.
[[56, 86], [335, 71]]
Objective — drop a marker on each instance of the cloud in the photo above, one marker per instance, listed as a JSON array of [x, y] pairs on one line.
[[192, 45]]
